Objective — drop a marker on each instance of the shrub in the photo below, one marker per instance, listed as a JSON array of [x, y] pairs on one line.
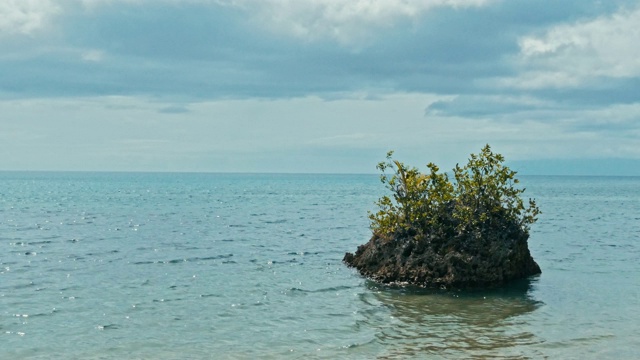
[[483, 198]]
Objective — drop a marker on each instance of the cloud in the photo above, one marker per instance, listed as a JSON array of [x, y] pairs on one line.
[[343, 21], [93, 55], [255, 79], [197, 50], [573, 55], [529, 127], [485, 105], [211, 49], [174, 109], [25, 17], [310, 134]]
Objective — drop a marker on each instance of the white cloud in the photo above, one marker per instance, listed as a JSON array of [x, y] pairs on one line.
[[541, 79], [93, 55], [568, 55], [25, 16], [343, 20], [92, 4]]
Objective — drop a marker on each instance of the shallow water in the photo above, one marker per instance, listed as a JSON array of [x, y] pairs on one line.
[[172, 266]]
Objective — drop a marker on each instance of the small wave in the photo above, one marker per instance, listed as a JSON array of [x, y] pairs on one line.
[[294, 291], [281, 221], [183, 260], [332, 289], [43, 314], [102, 253], [210, 295], [303, 253], [214, 257], [166, 300], [28, 228], [43, 242], [355, 345], [74, 287], [23, 286], [108, 327]]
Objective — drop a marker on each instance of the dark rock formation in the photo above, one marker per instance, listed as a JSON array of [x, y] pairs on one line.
[[464, 261]]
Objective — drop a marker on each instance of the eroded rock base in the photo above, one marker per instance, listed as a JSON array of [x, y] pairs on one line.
[[463, 262]]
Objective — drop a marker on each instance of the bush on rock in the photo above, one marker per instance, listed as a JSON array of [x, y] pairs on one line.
[[433, 232]]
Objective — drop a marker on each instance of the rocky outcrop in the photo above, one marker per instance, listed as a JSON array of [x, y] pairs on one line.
[[466, 261]]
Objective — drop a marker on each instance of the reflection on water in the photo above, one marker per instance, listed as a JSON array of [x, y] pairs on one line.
[[479, 324]]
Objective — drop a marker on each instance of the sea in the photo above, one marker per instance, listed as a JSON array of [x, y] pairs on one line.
[[249, 266]]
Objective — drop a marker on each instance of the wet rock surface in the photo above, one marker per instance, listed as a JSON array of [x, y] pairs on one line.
[[465, 261]]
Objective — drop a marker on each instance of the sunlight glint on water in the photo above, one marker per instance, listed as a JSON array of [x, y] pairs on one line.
[[171, 266]]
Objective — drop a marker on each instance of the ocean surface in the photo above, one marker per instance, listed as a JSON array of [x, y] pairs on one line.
[[244, 266]]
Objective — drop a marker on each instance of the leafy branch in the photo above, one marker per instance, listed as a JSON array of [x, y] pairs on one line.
[[484, 197]]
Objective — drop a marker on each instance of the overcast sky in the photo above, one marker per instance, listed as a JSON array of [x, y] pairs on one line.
[[318, 85]]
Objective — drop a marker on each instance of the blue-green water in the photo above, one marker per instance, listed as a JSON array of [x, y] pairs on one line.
[[202, 266]]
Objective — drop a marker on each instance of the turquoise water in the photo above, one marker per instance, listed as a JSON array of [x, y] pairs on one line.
[[201, 266]]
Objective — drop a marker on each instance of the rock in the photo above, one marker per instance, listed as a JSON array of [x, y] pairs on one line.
[[435, 233], [464, 261]]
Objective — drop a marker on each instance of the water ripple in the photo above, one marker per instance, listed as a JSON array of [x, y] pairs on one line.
[[174, 266]]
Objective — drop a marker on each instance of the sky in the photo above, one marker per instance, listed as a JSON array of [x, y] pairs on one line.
[[319, 86]]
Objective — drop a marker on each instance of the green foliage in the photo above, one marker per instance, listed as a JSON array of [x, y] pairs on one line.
[[484, 197]]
